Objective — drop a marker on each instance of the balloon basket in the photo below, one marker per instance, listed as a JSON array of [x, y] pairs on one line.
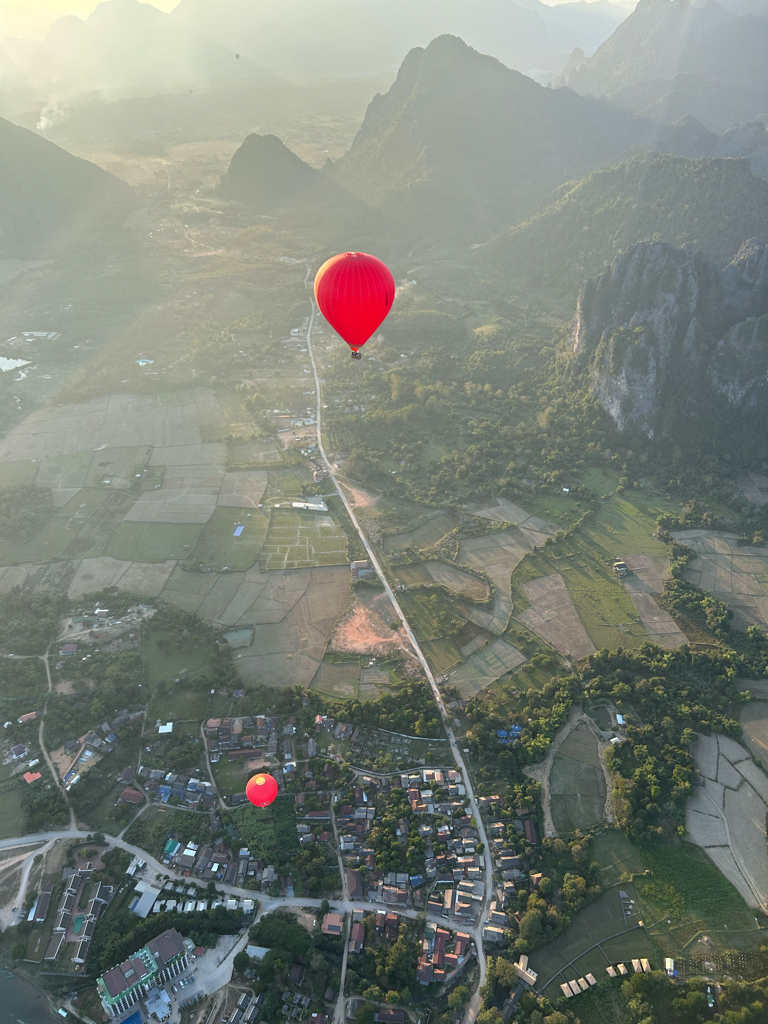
[[357, 355]]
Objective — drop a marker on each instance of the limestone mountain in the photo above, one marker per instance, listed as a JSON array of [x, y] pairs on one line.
[[267, 176], [677, 347], [689, 137], [712, 204], [462, 144], [49, 196], [671, 58]]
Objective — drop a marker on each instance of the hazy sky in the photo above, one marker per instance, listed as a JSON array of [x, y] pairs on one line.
[[31, 19]]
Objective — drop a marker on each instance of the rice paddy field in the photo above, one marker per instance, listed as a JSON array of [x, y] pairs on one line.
[[485, 667], [339, 680], [297, 539]]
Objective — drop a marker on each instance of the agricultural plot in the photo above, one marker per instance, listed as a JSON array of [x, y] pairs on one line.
[[14, 473], [65, 471], [337, 680], [577, 783], [61, 531], [53, 578], [286, 483], [552, 614], [153, 542], [602, 925], [94, 574], [485, 667], [115, 468], [118, 421], [250, 452], [293, 617], [231, 540], [296, 540], [726, 816], [242, 489], [496, 554], [460, 582], [603, 605], [374, 682], [616, 858], [423, 536], [442, 654], [754, 487], [534, 529], [265, 830], [734, 574]]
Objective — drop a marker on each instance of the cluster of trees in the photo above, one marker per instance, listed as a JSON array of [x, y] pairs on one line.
[[24, 511], [387, 971], [685, 599], [391, 853], [543, 713], [412, 710], [29, 621], [44, 806], [288, 943], [674, 695], [122, 933]]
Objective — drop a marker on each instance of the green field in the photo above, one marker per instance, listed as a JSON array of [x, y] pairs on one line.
[[485, 666], [337, 679], [297, 539], [218, 547], [265, 830], [14, 473], [432, 613], [577, 784], [63, 530], [64, 470], [12, 818], [687, 890], [442, 655], [617, 859], [682, 894], [286, 483], [167, 658], [153, 542], [120, 465], [622, 526], [600, 922]]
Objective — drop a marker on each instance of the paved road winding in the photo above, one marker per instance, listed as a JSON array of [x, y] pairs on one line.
[[455, 750]]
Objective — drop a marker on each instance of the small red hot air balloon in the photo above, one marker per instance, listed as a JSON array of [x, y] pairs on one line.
[[261, 790], [355, 292]]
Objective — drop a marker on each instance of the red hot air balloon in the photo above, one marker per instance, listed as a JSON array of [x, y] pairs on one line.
[[261, 790], [355, 292]]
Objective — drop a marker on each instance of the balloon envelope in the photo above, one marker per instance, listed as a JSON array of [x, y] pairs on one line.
[[261, 790], [355, 292]]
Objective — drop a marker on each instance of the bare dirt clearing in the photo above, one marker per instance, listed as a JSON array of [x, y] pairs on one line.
[[726, 816], [358, 497], [366, 627]]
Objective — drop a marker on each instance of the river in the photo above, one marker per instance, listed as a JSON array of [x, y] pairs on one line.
[[20, 1001]]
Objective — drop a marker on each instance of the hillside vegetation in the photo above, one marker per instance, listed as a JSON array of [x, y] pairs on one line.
[[710, 204]]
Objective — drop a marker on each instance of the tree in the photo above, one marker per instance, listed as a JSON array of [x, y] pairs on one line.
[[242, 962], [19, 951], [365, 1014], [492, 1016], [458, 997]]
